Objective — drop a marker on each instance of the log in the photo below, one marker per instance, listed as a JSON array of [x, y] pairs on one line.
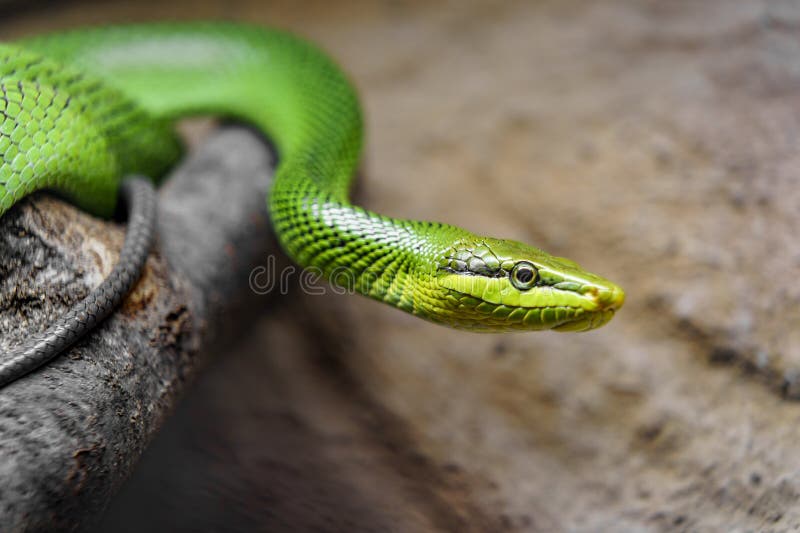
[[71, 432]]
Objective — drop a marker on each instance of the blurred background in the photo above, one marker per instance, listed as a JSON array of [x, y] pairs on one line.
[[655, 143]]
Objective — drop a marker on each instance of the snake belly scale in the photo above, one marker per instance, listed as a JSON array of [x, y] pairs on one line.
[[81, 109]]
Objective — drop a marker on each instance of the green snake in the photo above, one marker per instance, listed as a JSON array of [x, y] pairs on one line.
[[80, 110]]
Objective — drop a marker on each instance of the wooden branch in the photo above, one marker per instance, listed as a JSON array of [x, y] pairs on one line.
[[71, 432]]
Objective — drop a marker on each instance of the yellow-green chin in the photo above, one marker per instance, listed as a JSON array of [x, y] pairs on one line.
[[588, 321]]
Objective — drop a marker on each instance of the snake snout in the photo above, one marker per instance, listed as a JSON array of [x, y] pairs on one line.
[[609, 298]]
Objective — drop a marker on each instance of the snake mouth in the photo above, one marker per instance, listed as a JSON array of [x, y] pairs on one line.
[[587, 322], [607, 301]]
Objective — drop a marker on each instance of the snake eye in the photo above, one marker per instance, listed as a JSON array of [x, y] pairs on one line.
[[524, 275]]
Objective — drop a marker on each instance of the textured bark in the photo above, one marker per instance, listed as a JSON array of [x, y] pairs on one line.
[[71, 432]]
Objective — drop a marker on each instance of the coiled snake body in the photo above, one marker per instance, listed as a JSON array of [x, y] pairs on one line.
[[81, 109]]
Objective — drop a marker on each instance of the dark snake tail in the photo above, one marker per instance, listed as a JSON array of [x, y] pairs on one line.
[[139, 197]]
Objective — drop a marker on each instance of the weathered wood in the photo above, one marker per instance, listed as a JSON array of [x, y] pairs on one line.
[[71, 432]]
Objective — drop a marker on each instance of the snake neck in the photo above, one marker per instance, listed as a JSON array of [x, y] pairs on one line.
[[380, 257]]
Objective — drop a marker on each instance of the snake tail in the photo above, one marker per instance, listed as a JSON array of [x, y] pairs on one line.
[[140, 199]]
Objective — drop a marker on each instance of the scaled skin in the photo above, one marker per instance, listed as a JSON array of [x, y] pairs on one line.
[[563, 297], [84, 108]]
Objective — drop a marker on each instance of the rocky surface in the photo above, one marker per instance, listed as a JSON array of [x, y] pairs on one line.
[[653, 142]]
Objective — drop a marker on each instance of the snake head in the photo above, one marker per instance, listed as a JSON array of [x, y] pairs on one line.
[[501, 285]]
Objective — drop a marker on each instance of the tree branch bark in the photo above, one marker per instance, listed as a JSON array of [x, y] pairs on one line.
[[71, 432]]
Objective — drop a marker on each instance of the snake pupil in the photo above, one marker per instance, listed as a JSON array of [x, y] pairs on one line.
[[524, 275]]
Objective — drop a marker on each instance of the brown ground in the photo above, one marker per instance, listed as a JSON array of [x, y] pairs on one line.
[[653, 142]]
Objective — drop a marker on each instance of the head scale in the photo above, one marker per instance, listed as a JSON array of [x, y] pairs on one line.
[[500, 285]]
